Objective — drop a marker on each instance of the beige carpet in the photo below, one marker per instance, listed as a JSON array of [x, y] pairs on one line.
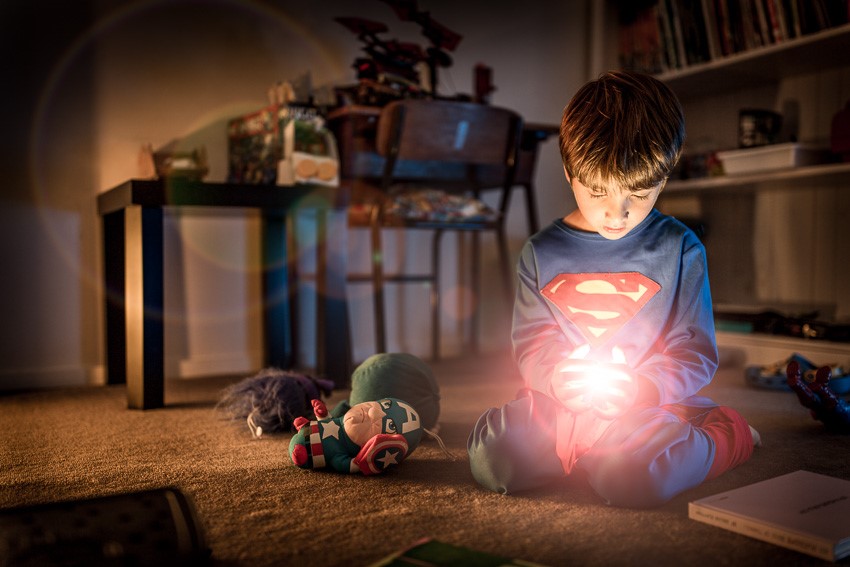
[[258, 509]]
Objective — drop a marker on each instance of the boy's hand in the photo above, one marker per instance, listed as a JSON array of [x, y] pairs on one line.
[[608, 389], [569, 384]]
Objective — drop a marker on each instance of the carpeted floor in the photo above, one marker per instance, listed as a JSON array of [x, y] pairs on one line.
[[258, 509]]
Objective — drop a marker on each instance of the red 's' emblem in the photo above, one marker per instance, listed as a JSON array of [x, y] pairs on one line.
[[600, 304]]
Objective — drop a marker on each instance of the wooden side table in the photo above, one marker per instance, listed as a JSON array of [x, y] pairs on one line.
[[132, 217]]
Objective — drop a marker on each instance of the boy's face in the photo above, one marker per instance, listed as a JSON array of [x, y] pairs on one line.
[[611, 212]]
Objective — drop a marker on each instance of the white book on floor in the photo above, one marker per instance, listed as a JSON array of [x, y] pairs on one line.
[[802, 510]]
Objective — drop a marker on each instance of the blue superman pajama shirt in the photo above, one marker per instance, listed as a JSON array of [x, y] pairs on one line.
[[647, 294]]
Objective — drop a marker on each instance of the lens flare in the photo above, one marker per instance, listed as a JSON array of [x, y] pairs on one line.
[[71, 143]]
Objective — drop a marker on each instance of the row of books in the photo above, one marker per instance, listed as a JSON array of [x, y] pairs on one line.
[[665, 35]]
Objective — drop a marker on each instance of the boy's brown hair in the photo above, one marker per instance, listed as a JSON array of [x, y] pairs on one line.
[[625, 129]]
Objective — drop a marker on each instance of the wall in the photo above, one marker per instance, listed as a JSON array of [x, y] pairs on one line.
[[96, 80]]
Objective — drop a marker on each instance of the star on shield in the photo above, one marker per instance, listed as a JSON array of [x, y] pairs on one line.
[[388, 459]]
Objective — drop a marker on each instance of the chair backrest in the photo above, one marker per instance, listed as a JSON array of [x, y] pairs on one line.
[[449, 132]]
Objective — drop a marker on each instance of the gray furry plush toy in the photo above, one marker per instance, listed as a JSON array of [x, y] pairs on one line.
[[272, 399]]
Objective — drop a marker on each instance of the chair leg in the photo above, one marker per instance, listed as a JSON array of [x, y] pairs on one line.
[[531, 208], [377, 260], [435, 295], [475, 284], [507, 280], [505, 265]]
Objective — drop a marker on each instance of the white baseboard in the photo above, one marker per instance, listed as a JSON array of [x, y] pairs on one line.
[[757, 349], [12, 379], [42, 378], [215, 364]]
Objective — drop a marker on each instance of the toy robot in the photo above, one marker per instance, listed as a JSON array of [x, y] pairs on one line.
[[816, 395]]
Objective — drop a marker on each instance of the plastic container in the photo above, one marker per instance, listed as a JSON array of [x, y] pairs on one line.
[[767, 158]]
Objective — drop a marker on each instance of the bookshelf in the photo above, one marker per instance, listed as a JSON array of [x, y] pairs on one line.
[[818, 51], [776, 236], [701, 47]]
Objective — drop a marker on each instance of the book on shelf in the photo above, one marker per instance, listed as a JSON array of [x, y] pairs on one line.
[[749, 26], [673, 34], [640, 41], [694, 31], [802, 510], [724, 29], [709, 16], [760, 22]]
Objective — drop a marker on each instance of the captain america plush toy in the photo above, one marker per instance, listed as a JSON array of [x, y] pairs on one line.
[[369, 438]]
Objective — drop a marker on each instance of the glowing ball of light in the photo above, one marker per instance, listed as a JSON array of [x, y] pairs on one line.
[[606, 388]]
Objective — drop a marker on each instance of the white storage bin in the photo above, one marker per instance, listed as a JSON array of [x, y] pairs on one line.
[[766, 158]]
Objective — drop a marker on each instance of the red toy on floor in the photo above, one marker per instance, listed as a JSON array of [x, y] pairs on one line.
[[816, 395]]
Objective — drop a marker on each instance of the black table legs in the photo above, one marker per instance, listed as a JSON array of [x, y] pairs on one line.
[[279, 290], [134, 304], [133, 279]]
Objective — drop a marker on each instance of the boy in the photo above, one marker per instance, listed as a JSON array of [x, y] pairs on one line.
[[613, 329]]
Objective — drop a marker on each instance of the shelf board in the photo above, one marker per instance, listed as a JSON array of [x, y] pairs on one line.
[[814, 52], [775, 178]]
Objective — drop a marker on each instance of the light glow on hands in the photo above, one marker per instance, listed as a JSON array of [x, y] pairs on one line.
[[607, 388]]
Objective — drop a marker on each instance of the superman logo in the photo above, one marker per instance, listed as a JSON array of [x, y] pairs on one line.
[[600, 304]]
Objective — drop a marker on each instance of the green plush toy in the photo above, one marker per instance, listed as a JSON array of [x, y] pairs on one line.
[[395, 375]]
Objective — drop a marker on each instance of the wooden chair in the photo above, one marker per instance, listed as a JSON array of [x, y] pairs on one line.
[[457, 147]]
